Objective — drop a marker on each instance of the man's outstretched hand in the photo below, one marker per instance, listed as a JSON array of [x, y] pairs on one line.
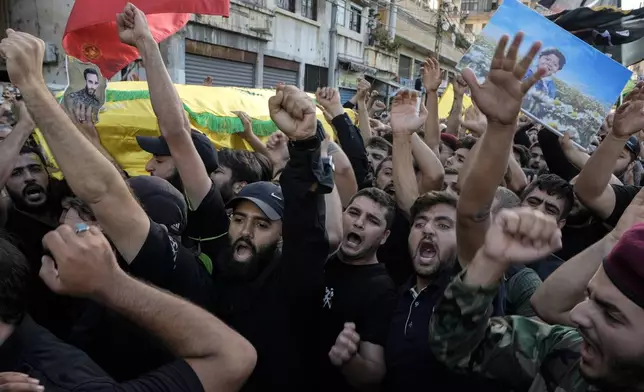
[[501, 95], [24, 56], [132, 25], [403, 113], [293, 111]]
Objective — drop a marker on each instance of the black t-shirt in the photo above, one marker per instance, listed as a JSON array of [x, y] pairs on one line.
[[120, 347], [59, 367], [54, 312], [207, 228], [624, 194], [362, 294], [576, 239], [546, 266], [395, 253]]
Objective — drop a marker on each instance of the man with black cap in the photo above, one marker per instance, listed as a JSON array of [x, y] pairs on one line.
[[181, 155], [604, 353]]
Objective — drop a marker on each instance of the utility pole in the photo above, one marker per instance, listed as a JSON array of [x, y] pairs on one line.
[[333, 52], [439, 28]]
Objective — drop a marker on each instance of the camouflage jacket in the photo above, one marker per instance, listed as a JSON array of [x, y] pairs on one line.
[[521, 352]]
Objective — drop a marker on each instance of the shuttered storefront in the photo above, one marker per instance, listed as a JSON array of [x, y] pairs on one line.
[[274, 76], [277, 70], [346, 94], [223, 72]]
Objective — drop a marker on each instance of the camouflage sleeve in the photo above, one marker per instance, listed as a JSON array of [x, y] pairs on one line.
[[510, 349]]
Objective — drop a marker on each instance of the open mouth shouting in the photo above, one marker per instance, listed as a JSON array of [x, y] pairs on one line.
[[352, 240], [34, 193], [243, 251], [426, 252]]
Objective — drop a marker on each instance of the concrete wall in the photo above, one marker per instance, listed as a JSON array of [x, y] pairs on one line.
[[47, 20]]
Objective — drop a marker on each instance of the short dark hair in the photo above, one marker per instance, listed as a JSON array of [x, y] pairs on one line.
[[467, 142], [524, 154], [533, 145], [507, 199], [429, 200], [451, 170], [243, 164], [30, 149], [14, 281], [556, 52], [389, 137], [267, 167], [387, 159], [381, 198], [553, 185], [84, 210], [89, 71], [381, 143]]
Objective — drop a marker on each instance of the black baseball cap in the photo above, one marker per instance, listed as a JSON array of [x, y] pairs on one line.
[[163, 203], [633, 145], [157, 145], [266, 196]]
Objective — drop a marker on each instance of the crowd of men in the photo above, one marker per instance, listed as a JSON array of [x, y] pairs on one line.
[[474, 253]]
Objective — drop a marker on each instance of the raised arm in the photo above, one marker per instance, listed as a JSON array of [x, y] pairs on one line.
[[87, 267], [174, 125], [89, 174], [511, 349], [249, 136], [404, 123], [592, 186], [454, 118], [566, 287], [304, 182], [499, 99], [432, 79]]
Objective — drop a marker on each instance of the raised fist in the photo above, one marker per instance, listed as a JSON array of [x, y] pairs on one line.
[[329, 98], [24, 56], [521, 235], [346, 345], [293, 112], [132, 25]]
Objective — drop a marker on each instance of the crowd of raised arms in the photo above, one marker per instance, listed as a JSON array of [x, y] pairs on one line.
[[473, 253]]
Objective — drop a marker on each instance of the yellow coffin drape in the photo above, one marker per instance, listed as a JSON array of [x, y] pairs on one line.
[[446, 101], [128, 113]]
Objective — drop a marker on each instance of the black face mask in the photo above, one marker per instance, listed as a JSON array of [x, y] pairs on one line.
[[230, 269]]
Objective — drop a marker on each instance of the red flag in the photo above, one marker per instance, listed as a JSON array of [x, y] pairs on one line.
[[91, 34]]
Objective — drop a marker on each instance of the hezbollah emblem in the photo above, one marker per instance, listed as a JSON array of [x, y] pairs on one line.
[[91, 52]]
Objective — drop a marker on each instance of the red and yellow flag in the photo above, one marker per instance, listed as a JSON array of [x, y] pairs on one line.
[[91, 33]]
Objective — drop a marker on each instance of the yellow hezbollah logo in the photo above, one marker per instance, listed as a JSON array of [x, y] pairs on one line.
[[91, 51]]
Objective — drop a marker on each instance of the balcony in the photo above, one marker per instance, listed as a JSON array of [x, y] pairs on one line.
[[381, 60], [249, 17]]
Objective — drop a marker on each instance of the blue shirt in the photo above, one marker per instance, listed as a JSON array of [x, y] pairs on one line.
[[545, 86]]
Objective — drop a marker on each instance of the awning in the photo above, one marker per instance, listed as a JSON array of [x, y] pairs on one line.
[[357, 67]]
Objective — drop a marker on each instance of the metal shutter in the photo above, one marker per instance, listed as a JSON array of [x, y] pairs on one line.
[[274, 76], [346, 94], [222, 72]]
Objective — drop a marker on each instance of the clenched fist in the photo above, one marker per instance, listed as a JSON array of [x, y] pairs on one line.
[[293, 111], [521, 235], [83, 264], [346, 345], [132, 25], [24, 56]]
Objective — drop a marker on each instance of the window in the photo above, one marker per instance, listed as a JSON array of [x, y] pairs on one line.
[[288, 5], [469, 5], [355, 19], [341, 15], [404, 67], [309, 9], [315, 77]]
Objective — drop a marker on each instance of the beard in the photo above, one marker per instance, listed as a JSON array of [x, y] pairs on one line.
[[226, 191], [247, 271], [175, 181], [90, 92], [19, 199]]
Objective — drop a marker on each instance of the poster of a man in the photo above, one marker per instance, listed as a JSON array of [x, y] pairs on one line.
[[86, 89]]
